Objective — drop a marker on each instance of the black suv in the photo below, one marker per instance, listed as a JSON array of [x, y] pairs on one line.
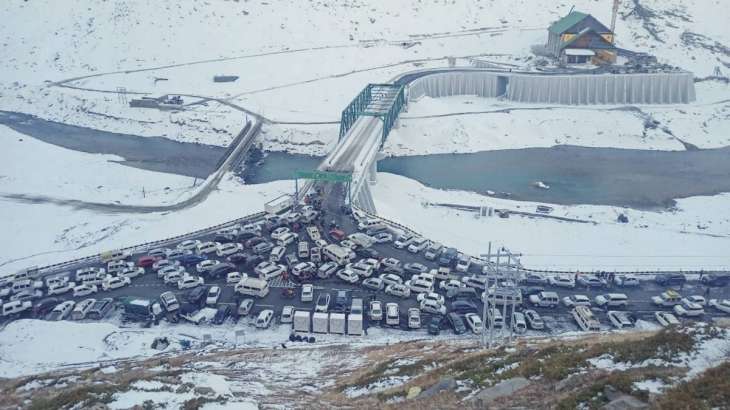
[[197, 295], [221, 269], [715, 279], [671, 279]]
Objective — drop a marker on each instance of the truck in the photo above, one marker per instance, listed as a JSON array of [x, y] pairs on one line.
[[337, 323], [320, 322], [279, 205], [354, 324], [301, 321], [313, 233]]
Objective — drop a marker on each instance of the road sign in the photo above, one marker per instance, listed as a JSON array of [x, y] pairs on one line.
[[324, 176]]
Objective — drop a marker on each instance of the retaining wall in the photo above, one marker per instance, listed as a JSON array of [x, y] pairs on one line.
[[573, 89]]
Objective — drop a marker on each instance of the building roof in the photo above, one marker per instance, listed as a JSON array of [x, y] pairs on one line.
[[562, 25], [579, 52], [588, 39], [575, 22]]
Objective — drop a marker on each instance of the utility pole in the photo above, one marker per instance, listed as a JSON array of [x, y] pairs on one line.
[[485, 305], [613, 19]]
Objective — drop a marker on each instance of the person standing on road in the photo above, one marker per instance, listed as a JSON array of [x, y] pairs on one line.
[[707, 292]]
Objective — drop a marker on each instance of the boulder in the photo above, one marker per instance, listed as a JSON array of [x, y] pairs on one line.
[[413, 392], [625, 402], [443, 384], [501, 389]]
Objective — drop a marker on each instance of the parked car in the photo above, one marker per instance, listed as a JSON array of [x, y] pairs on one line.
[[307, 292], [342, 300], [188, 282], [463, 306], [626, 280], [417, 245], [715, 279], [612, 300], [115, 282], [700, 300], [390, 262], [197, 296], [456, 323], [414, 318], [84, 290], [347, 275], [688, 308], [670, 279], [60, 288], [376, 311], [391, 279], [534, 321], [189, 245], [223, 312], [206, 265], [403, 241], [323, 303], [383, 237], [591, 281], [227, 249], [432, 306], [190, 259], [398, 290], [415, 267], [44, 306], [61, 311], [264, 319], [666, 319], [214, 293], [434, 325], [535, 279], [234, 277], [430, 296], [723, 305], [287, 314], [474, 322], [245, 307], [562, 281], [576, 300], [221, 270], [149, 260], [373, 284], [447, 285]]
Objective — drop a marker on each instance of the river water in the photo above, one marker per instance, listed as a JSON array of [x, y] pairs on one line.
[[576, 175], [151, 153]]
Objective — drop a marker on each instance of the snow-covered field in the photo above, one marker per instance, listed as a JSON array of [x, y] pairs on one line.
[[695, 235], [471, 124], [32, 167], [40, 234]]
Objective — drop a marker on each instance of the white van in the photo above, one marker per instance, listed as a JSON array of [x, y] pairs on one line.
[[253, 287], [519, 324], [369, 224], [392, 314], [585, 319], [496, 317], [442, 273], [25, 284], [337, 254], [433, 251], [82, 308], [500, 296], [16, 306], [286, 239], [545, 299], [303, 250]]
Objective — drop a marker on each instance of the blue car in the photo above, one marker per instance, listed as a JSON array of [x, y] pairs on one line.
[[191, 259]]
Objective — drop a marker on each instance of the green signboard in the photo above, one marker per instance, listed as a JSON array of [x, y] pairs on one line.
[[324, 176]]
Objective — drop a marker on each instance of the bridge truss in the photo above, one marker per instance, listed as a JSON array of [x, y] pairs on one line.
[[384, 101]]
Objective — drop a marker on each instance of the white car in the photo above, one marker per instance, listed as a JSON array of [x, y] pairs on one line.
[[163, 263], [234, 277], [361, 268], [432, 306], [59, 288], [391, 279], [419, 286], [279, 232], [118, 266], [227, 249], [84, 290], [430, 296], [403, 241], [417, 245], [287, 314], [189, 245], [562, 281], [372, 262], [115, 282], [383, 237], [700, 300], [626, 280], [474, 322], [348, 244], [188, 282], [373, 283], [264, 319], [307, 292], [390, 262], [688, 308], [169, 269], [414, 318], [206, 265], [447, 285], [376, 311], [132, 273], [347, 275], [208, 247], [722, 305], [398, 290], [326, 270], [576, 300], [666, 319], [214, 293]]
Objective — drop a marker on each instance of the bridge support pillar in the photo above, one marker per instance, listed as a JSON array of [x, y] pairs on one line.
[[373, 172]]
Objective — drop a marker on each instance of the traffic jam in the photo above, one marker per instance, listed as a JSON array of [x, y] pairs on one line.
[[319, 277]]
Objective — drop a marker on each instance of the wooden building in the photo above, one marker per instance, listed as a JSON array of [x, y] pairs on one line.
[[579, 38]]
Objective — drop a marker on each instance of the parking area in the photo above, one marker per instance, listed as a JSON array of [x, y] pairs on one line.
[[275, 244]]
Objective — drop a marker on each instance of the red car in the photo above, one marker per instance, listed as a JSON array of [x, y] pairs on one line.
[[337, 234], [147, 261]]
